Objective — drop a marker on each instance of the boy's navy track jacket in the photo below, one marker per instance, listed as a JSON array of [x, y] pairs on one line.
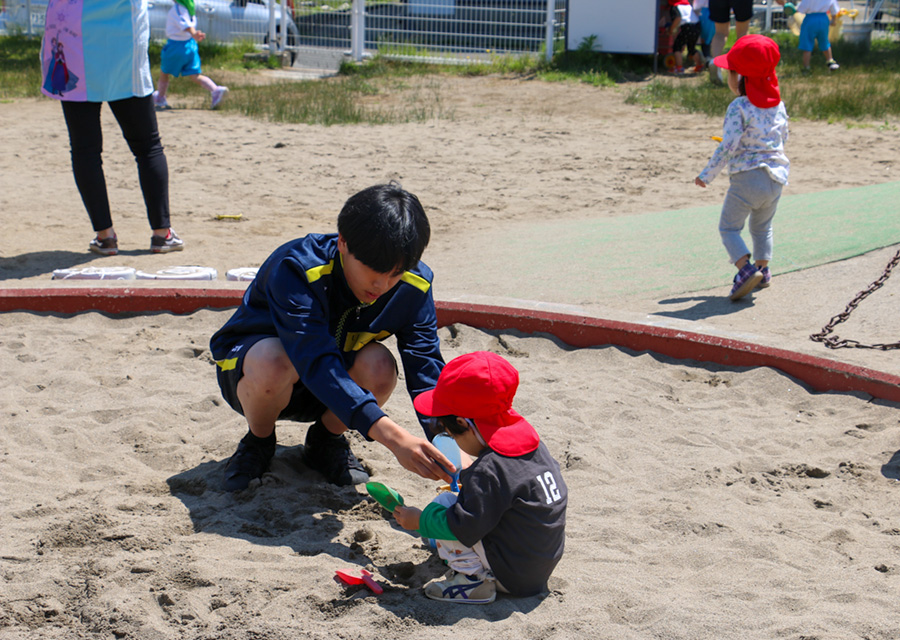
[[301, 296]]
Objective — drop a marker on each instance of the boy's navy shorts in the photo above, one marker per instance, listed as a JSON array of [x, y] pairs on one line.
[[720, 10], [303, 407]]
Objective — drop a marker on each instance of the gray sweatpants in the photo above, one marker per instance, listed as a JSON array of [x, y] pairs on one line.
[[752, 194]]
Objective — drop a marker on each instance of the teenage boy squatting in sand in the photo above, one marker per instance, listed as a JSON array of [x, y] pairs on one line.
[[753, 137], [506, 528], [304, 343]]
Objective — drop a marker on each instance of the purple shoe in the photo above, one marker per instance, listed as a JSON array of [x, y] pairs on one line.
[[745, 281], [766, 278]]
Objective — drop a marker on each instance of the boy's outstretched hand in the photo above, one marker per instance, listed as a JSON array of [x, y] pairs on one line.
[[414, 454], [407, 517], [699, 182]]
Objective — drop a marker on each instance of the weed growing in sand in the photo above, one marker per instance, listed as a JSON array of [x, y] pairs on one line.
[[343, 100]]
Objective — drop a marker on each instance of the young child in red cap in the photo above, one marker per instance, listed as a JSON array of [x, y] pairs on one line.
[[506, 528], [753, 137], [686, 31]]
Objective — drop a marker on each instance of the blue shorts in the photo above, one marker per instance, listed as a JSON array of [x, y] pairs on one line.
[[180, 58], [707, 26], [303, 406], [815, 27]]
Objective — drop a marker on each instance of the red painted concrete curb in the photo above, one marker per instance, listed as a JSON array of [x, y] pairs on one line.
[[118, 299], [819, 373]]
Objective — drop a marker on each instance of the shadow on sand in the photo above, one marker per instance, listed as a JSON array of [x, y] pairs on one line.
[[292, 506]]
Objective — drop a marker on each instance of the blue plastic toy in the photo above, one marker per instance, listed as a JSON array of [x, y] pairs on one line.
[[449, 448]]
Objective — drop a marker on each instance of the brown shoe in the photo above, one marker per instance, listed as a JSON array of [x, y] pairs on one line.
[[105, 247]]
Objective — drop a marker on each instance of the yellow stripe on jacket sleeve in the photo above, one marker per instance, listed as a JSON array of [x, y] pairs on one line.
[[227, 364], [417, 281], [317, 272]]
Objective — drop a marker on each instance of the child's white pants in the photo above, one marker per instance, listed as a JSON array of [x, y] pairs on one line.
[[467, 560]]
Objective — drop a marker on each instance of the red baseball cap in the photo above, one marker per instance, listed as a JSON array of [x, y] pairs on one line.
[[481, 386], [755, 57]]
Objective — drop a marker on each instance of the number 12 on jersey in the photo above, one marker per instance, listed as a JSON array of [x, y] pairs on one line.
[[548, 484]]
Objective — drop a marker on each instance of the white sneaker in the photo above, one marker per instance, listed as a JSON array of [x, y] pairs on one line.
[[160, 105], [167, 243], [458, 587], [218, 94]]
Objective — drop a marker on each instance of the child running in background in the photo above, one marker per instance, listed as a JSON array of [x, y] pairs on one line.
[[180, 55], [686, 31], [753, 137], [820, 15], [506, 529]]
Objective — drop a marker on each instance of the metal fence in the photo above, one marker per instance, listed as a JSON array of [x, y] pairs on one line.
[[450, 30], [882, 15], [446, 29], [433, 30]]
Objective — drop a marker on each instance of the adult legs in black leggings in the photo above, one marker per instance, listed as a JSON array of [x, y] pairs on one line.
[[137, 119]]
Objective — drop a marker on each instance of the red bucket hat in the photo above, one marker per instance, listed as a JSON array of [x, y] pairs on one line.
[[755, 57], [480, 386]]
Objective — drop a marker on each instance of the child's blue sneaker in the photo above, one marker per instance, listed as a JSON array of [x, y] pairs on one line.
[[745, 281], [766, 278]]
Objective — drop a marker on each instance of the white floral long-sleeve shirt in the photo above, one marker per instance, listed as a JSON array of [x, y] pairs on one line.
[[752, 138]]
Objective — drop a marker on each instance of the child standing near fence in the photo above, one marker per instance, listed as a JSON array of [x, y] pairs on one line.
[[686, 31], [753, 137], [820, 15], [180, 55]]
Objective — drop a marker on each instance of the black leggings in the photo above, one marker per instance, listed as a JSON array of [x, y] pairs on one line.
[[137, 119]]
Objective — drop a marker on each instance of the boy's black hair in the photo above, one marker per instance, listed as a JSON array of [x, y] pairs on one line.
[[448, 424], [742, 86], [385, 228]]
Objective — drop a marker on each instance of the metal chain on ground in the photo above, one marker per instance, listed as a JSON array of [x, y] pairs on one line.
[[834, 342]]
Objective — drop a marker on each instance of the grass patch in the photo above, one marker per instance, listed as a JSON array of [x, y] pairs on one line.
[[20, 68], [343, 100], [865, 88], [387, 90]]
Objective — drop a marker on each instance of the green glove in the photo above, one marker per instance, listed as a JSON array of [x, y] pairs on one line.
[[790, 9]]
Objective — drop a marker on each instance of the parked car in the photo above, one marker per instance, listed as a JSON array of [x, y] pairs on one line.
[[222, 20], [228, 21]]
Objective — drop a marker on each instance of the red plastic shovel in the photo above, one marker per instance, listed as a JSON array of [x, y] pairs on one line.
[[366, 579]]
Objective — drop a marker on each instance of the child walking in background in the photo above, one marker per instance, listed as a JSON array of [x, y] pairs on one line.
[[180, 55], [753, 137], [506, 528], [686, 31], [820, 15]]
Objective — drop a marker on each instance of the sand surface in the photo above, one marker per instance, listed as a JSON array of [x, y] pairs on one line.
[[705, 501]]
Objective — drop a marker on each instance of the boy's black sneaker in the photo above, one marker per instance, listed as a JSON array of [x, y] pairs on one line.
[[330, 455], [248, 462]]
